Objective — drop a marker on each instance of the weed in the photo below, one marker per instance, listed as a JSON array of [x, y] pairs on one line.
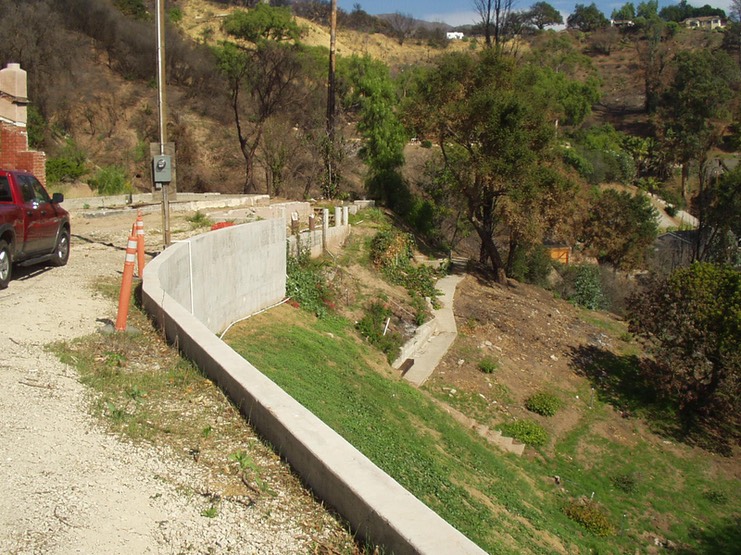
[[211, 512], [715, 496], [526, 431], [199, 220], [543, 403], [373, 328], [627, 482], [591, 515], [206, 432], [136, 393], [110, 180], [114, 360], [488, 365], [116, 414], [307, 286]]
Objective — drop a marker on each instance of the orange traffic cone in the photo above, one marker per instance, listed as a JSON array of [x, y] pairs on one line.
[[124, 297], [140, 243]]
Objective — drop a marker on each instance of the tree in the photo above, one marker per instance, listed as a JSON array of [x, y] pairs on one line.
[[402, 26], [494, 15], [719, 209], [735, 10], [542, 14], [653, 52], [268, 74], [625, 13], [586, 18], [691, 324], [648, 9], [370, 92], [699, 93], [262, 22], [496, 135], [620, 228]]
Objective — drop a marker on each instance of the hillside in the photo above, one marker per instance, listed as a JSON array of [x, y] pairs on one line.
[[608, 446], [110, 112]]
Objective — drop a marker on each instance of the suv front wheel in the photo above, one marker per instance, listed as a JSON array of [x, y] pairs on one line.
[[61, 251]]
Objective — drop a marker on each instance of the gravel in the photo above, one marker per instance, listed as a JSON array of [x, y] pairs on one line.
[[67, 486]]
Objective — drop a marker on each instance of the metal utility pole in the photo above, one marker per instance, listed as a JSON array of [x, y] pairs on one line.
[[162, 159], [330, 150]]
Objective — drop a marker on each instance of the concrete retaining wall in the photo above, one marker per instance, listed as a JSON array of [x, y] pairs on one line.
[[375, 505]]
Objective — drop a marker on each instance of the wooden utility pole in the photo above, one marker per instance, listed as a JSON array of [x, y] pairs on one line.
[[331, 109], [162, 108]]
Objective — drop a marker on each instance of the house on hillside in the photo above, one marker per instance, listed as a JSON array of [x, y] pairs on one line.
[[454, 35], [621, 23], [708, 22], [673, 250]]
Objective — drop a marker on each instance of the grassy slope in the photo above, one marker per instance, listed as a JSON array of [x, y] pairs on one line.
[[504, 503]]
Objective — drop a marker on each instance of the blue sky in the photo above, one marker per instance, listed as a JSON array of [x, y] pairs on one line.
[[460, 12]]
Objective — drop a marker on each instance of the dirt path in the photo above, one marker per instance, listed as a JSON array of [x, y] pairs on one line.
[[65, 485]]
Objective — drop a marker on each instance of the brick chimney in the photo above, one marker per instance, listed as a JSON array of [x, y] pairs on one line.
[[14, 152]]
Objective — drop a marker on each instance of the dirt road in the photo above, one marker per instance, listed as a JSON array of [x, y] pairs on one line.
[[66, 486]]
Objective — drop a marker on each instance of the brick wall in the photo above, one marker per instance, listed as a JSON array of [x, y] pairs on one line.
[[15, 155], [14, 151]]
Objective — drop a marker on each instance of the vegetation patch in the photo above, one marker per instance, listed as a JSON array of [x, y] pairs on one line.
[[488, 365], [374, 327], [590, 515], [543, 403], [526, 431]]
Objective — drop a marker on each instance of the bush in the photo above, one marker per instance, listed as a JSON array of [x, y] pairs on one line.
[[488, 365], [306, 285], [627, 483], [392, 252], [426, 143], [69, 165], [110, 180], [588, 288], [543, 403], [373, 324], [532, 266], [590, 515], [526, 431]]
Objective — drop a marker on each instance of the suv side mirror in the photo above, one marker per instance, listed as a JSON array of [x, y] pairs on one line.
[[57, 198]]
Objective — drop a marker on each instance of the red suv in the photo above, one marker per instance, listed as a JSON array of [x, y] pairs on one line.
[[33, 227]]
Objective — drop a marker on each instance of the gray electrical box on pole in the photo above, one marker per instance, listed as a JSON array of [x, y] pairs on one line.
[[162, 168]]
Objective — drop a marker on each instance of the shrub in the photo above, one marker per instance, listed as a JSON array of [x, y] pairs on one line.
[[543, 403], [488, 365], [426, 143], [670, 210], [110, 180], [591, 515], [588, 288], [68, 165], [526, 431], [372, 326], [392, 252], [306, 285], [199, 220], [532, 266], [627, 483]]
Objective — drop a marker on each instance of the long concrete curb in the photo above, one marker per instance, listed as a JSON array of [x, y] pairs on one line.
[[378, 508]]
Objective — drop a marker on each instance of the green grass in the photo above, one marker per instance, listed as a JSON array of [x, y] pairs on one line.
[[503, 503]]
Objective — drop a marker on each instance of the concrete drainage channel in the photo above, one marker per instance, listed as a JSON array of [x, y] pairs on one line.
[[239, 270], [423, 352]]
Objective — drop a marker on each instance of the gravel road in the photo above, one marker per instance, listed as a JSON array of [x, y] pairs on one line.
[[66, 486]]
